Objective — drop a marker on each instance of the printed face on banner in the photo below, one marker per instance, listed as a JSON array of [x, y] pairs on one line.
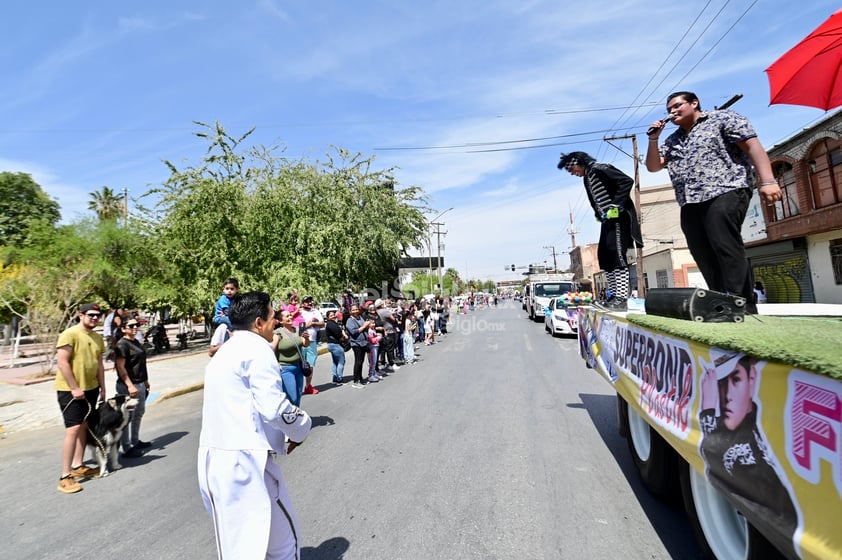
[[735, 396]]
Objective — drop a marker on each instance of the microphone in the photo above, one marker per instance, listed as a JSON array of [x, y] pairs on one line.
[[664, 121]]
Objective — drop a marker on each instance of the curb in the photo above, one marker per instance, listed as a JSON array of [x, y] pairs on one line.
[[201, 385], [178, 392]]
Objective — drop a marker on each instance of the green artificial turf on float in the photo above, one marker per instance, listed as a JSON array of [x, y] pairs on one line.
[[809, 343]]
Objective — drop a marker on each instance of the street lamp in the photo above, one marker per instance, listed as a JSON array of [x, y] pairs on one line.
[[430, 247]]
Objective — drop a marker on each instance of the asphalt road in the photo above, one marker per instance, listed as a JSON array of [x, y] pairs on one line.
[[500, 444]]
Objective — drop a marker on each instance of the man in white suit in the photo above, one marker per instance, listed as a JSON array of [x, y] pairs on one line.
[[244, 420]]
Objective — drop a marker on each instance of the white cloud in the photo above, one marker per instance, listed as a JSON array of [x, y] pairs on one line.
[[380, 74]]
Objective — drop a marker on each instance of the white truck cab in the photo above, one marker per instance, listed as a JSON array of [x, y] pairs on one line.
[[541, 289]]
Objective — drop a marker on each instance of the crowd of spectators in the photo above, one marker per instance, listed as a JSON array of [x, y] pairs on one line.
[[381, 333]]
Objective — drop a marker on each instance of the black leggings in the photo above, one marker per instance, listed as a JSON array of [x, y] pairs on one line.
[[359, 357]]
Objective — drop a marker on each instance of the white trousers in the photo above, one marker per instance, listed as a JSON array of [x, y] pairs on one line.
[[253, 517]]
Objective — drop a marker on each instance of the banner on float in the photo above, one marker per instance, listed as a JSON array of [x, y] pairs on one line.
[[768, 435]]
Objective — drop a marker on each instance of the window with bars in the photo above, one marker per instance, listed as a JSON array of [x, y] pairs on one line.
[[662, 278], [788, 205], [836, 259]]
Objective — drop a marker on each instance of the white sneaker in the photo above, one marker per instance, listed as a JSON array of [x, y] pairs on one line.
[[356, 385]]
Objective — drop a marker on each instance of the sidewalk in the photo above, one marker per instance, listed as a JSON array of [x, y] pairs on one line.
[[28, 400]]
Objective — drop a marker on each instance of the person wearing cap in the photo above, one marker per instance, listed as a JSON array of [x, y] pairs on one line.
[[80, 382], [313, 321], [739, 460], [608, 191], [387, 358]]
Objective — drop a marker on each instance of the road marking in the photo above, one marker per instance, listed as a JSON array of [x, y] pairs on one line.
[[526, 341]]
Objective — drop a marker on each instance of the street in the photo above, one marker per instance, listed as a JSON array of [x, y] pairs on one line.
[[499, 444]]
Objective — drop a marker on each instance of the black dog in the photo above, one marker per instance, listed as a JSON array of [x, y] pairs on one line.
[[105, 428]]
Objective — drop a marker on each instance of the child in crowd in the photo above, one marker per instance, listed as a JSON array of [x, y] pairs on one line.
[[220, 313], [429, 327], [294, 310], [408, 336]]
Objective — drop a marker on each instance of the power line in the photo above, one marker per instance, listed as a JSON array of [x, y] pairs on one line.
[[688, 49], [727, 31], [715, 44], [674, 49]]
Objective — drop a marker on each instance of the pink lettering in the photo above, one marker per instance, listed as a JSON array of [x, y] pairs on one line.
[[816, 415]]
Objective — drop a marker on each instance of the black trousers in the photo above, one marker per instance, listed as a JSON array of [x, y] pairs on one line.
[[614, 242], [360, 353], [388, 349], [713, 232]]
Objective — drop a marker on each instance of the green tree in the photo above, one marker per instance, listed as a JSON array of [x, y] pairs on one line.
[[452, 282], [47, 282], [106, 204], [125, 267], [279, 224], [22, 203]]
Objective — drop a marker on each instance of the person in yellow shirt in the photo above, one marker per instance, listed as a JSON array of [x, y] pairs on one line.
[[80, 382]]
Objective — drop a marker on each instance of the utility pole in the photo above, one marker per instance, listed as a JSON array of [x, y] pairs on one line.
[[439, 233], [125, 207], [641, 286], [572, 230], [552, 250]]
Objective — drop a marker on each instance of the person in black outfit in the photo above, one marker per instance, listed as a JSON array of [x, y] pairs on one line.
[[335, 335], [132, 380], [608, 191]]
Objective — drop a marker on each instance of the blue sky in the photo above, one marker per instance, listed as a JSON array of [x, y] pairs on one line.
[[99, 92]]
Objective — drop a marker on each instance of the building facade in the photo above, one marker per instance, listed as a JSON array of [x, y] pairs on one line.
[[798, 253]]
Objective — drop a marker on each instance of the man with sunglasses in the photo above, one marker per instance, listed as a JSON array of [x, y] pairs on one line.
[[80, 381], [710, 159]]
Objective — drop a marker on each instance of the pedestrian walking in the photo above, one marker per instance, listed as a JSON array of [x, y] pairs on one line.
[[246, 417]]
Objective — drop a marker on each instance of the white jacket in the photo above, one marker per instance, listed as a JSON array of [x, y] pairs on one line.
[[245, 406]]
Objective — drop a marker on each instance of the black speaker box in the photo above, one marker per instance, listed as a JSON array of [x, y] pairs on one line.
[[695, 304]]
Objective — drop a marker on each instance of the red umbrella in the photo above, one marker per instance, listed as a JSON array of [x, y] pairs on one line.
[[810, 73]]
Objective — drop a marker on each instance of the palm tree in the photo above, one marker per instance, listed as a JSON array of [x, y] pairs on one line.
[[106, 204]]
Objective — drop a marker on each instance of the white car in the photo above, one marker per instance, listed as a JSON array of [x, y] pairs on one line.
[[326, 306], [561, 318]]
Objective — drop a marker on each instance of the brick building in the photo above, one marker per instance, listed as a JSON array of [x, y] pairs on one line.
[[795, 246]]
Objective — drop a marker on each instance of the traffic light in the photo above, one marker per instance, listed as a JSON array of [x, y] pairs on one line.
[[513, 268]]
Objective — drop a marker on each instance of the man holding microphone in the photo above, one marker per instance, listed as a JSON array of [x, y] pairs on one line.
[[710, 159]]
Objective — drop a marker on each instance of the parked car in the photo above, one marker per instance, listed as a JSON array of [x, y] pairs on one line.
[[561, 317], [326, 306]]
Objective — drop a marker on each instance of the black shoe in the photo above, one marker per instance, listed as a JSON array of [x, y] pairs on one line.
[[143, 444], [133, 453]]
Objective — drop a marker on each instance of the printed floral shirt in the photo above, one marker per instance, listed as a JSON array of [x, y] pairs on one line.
[[706, 162]]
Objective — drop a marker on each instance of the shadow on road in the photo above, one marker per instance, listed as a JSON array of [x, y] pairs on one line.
[[321, 421], [331, 549], [668, 519]]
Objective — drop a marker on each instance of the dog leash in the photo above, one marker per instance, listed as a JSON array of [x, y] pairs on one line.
[[93, 435]]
